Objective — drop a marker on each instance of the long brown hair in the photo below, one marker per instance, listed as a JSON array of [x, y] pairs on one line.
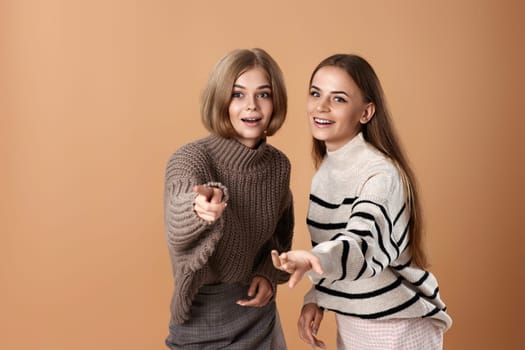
[[380, 132]]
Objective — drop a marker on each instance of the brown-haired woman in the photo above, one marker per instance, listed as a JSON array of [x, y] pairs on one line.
[[364, 220], [227, 205]]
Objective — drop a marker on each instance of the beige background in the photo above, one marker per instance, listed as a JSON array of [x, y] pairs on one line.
[[95, 95]]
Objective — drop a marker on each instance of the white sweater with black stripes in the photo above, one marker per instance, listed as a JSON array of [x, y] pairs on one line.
[[358, 222]]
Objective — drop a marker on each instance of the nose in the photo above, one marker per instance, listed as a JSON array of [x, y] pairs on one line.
[[251, 103], [322, 105]]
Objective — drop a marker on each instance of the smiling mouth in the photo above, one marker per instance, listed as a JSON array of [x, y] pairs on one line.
[[322, 121], [251, 120]]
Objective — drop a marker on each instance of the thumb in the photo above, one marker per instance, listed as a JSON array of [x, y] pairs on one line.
[[203, 190], [216, 196], [275, 259], [317, 322], [316, 266], [252, 289]]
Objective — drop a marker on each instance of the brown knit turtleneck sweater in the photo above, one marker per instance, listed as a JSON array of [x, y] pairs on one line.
[[258, 218]]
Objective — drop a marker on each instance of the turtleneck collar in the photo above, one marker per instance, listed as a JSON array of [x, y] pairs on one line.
[[236, 156], [357, 142]]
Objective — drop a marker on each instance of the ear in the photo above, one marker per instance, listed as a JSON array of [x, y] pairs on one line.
[[368, 113]]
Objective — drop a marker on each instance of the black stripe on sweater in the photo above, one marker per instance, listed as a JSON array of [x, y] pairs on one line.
[[399, 214], [433, 296], [403, 266], [363, 269], [344, 255], [336, 236], [325, 204], [367, 295], [432, 313], [383, 210], [378, 263], [362, 233], [364, 248], [389, 222], [420, 282], [403, 236], [363, 215], [384, 313], [370, 217], [422, 279], [344, 258], [324, 226]]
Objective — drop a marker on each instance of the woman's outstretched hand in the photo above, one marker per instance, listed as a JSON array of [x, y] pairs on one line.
[[208, 204], [296, 263]]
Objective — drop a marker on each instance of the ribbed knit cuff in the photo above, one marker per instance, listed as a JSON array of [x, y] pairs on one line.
[[225, 195]]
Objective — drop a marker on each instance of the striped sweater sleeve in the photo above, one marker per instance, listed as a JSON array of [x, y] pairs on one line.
[[367, 244]]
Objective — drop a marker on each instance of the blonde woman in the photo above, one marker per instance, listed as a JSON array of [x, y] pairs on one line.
[[227, 205], [365, 222]]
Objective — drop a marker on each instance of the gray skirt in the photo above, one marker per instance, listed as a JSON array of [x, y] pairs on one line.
[[217, 322]]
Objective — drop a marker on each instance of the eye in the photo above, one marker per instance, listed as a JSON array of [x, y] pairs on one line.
[[339, 99], [237, 94], [265, 94], [314, 93]]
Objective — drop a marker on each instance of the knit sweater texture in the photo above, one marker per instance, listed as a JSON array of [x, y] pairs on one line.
[[258, 216], [358, 222]]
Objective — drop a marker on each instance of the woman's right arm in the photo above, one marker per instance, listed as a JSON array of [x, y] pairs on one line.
[[183, 226]]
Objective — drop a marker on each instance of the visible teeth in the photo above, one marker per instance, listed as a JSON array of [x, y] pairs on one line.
[[250, 119], [322, 121]]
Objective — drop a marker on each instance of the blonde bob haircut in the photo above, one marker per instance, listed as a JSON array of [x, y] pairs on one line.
[[218, 91]]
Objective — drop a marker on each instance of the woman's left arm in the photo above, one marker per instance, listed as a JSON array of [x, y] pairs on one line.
[[367, 245]]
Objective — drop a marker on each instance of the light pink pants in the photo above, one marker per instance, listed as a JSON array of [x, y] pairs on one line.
[[396, 334]]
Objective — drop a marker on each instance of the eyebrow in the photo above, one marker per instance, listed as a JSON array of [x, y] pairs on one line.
[[332, 92], [258, 88]]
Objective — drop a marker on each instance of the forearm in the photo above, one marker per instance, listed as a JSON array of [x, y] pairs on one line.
[[183, 226]]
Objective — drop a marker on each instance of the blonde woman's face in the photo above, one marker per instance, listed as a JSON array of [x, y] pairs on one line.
[[336, 107], [251, 106]]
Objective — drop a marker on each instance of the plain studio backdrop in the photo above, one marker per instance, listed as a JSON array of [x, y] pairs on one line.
[[95, 96]]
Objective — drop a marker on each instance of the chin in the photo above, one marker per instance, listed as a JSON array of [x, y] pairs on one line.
[[252, 136], [319, 135]]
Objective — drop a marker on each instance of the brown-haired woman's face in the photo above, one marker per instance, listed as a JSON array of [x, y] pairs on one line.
[[251, 106], [336, 107]]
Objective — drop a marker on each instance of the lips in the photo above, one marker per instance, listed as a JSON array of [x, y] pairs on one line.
[[322, 121], [251, 120]]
